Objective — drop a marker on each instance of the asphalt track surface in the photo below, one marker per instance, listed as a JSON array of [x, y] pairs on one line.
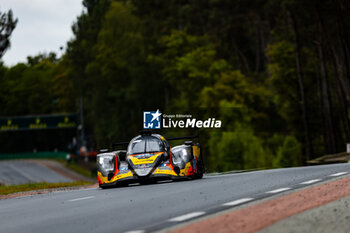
[[148, 208], [13, 172]]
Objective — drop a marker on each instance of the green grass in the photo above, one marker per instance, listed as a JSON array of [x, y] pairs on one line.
[[37, 186], [77, 168]]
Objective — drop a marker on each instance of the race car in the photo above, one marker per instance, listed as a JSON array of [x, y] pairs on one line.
[[149, 158]]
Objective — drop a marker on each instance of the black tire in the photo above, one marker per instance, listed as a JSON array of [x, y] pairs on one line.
[[102, 186], [113, 186], [200, 168]]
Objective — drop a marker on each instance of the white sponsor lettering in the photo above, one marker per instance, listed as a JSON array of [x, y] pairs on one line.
[[191, 123]]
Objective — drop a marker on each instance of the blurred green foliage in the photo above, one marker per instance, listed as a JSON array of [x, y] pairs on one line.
[[275, 72]]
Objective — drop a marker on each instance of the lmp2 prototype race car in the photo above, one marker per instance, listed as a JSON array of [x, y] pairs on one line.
[[149, 158]]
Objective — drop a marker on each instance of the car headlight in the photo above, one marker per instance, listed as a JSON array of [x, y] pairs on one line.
[[106, 162]]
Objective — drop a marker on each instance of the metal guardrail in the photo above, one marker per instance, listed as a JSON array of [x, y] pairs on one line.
[[34, 155], [343, 157]]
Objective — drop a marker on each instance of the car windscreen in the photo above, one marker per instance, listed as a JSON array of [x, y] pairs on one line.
[[145, 145]]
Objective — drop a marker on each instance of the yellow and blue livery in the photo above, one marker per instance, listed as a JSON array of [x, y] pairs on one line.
[[149, 158]]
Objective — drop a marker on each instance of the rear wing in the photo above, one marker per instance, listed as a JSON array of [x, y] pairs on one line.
[[119, 144], [183, 138], [145, 132]]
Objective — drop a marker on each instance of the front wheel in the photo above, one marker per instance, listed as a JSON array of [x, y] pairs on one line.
[[200, 168], [102, 186]]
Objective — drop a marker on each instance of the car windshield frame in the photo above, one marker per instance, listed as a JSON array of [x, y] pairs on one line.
[[145, 144]]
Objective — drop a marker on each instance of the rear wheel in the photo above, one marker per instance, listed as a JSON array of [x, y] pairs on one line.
[[200, 168]]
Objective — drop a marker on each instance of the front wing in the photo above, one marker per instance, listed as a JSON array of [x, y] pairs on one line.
[[162, 172]]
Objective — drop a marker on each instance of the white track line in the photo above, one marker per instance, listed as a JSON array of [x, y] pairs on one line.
[[311, 181], [88, 189], [82, 198], [137, 231], [279, 190], [237, 202], [164, 181], [338, 174], [134, 184], [186, 217]]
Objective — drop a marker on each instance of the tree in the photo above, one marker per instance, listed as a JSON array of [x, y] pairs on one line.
[[276, 72], [7, 25]]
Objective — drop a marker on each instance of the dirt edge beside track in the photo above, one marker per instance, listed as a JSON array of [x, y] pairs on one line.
[[256, 217], [43, 191]]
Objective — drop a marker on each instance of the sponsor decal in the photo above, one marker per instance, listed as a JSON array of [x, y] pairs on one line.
[[9, 126], [66, 123], [124, 168], [144, 156], [194, 164], [38, 124]]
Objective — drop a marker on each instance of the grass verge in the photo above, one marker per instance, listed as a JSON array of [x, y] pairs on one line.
[[78, 168], [4, 190], [81, 170]]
